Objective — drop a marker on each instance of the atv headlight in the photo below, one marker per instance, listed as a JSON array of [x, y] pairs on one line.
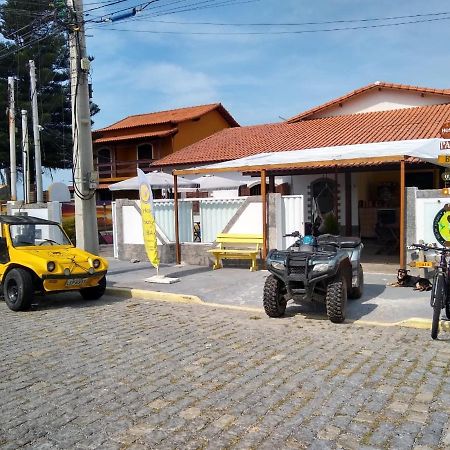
[[279, 265], [321, 267], [51, 266], [96, 263], [66, 271]]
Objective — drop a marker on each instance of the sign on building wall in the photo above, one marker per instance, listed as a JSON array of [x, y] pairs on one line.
[[441, 226]]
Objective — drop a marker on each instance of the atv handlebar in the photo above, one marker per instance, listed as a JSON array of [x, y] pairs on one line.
[[293, 234]]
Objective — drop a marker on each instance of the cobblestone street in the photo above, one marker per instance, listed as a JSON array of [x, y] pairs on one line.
[[132, 374]]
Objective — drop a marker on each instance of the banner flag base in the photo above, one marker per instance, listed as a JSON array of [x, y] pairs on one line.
[[161, 279]]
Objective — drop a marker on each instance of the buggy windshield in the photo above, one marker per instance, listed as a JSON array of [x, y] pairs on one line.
[[37, 234]]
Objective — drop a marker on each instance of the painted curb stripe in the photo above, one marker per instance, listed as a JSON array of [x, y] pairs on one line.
[[414, 322]]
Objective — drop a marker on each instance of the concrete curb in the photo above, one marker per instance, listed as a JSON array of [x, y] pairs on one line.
[[142, 294], [153, 295]]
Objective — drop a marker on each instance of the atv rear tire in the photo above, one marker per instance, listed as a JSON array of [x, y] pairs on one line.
[[95, 292], [18, 289], [357, 292], [336, 299], [273, 298]]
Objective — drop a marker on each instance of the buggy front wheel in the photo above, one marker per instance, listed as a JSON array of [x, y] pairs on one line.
[[95, 292]]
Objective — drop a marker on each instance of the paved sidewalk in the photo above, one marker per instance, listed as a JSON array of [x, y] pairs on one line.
[[239, 287]]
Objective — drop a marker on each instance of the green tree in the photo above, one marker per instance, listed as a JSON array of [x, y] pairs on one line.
[[37, 30]]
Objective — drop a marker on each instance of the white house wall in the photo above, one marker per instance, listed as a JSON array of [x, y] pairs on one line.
[[250, 221], [384, 100]]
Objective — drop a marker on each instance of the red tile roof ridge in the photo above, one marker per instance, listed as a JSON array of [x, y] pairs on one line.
[[377, 84], [208, 107], [421, 122]]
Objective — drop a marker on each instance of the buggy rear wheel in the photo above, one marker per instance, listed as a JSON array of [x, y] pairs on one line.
[[336, 299], [18, 289], [273, 298]]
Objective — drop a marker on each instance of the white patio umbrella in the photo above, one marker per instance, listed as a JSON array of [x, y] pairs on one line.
[[157, 180], [220, 182]]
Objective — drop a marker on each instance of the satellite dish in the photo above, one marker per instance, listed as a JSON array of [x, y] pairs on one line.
[[58, 192]]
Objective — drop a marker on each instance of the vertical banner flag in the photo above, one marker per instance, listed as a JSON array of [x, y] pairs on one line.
[[148, 219]]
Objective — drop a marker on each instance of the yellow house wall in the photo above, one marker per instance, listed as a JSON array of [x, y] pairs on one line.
[[188, 132], [194, 130]]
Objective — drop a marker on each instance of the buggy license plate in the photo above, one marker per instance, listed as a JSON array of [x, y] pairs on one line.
[[76, 281]]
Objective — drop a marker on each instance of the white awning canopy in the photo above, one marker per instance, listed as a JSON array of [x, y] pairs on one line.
[[210, 182], [157, 180], [426, 150]]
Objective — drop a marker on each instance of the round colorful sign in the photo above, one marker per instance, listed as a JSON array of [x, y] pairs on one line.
[[441, 226]]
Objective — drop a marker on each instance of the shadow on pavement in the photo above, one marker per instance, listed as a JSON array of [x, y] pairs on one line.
[[186, 273], [70, 300]]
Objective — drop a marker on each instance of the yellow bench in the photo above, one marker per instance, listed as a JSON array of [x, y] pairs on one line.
[[237, 246]]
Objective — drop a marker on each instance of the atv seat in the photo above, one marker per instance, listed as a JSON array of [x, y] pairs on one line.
[[339, 241]]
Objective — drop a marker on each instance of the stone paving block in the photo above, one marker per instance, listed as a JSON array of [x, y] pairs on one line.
[[158, 375]]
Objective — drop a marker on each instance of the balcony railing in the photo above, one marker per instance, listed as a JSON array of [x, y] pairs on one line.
[[120, 169]]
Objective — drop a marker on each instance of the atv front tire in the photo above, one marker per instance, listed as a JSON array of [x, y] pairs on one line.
[[336, 299], [18, 289], [273, 299]]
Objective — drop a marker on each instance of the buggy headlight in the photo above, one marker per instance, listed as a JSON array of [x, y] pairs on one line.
[[321, 267], [51, 266], [96, 263]]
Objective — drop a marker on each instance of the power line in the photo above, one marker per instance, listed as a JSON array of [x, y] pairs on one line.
[[323, 30], [289, 24], [140, 6]]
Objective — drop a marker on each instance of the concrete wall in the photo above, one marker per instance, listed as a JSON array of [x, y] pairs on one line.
[[49, 211], [191, 253], [421, 209]]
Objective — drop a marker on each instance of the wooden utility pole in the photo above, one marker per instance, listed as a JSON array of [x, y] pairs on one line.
[[85, 180]]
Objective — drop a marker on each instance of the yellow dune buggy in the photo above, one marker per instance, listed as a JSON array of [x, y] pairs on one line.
[[37, 257]]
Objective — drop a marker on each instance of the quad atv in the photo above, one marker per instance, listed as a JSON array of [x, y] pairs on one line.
[[37, 257], [326, 269]]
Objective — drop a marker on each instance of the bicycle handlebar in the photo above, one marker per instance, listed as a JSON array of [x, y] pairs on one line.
[[429, 247]]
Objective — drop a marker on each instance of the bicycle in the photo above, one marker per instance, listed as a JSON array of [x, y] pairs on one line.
[[440, 292]]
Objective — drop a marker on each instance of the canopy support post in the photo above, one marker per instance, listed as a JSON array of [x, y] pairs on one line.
[[348, 204], [264, 212], [177, 228], [402, 215]]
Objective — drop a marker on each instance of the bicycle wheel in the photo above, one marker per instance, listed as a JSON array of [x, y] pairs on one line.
[[438, 294]]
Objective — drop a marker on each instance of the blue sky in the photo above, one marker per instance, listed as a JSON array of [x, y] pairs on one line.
[[259, 78]]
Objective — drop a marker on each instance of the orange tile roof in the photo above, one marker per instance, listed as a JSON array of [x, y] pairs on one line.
[[395, 125], [135, 136], [376, 85], [170, 116]]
